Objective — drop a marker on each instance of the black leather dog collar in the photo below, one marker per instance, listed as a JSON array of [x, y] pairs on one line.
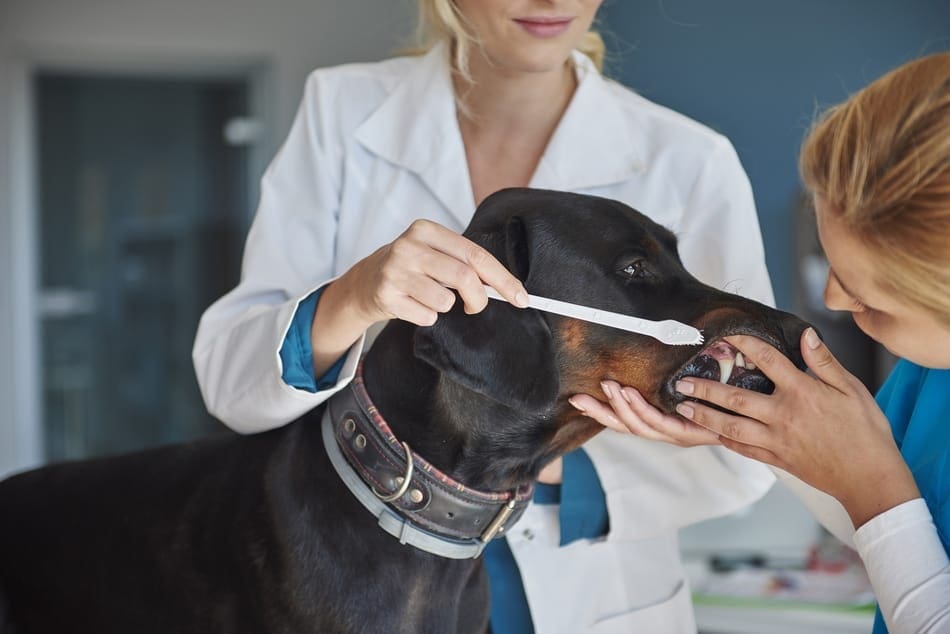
[[432, 511]]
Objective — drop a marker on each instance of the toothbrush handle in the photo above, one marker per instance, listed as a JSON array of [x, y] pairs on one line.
[[668, 331]]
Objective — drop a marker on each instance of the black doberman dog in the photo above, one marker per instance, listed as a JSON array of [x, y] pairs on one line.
[[261, 533]]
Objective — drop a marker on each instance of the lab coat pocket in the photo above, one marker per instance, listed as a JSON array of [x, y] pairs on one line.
[[671, 615]]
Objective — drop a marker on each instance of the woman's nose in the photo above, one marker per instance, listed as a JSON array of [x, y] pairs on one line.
[[835, 296]]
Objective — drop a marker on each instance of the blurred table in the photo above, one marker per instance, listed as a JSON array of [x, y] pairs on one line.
[[718, 619], [730, 603]]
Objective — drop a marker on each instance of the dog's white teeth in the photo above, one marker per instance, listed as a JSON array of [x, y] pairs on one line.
[[749, 365], [725, 369], [740, 360]]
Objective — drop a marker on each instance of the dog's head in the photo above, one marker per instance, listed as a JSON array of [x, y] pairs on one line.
[[600, 253]]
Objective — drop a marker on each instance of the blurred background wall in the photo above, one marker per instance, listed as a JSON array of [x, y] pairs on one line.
[[759, 71], [190, 45]]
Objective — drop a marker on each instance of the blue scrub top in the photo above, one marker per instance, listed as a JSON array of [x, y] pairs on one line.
[[916, 401]]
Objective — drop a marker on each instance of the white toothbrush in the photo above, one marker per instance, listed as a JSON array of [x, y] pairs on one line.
[[668, 331]]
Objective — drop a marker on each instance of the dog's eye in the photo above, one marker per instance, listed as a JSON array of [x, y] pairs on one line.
[[636, 269]]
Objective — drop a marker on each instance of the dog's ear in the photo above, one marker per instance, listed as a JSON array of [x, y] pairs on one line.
[[515, 245], [503, 352]]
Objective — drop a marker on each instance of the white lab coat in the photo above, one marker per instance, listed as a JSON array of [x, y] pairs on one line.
[[375, 146]]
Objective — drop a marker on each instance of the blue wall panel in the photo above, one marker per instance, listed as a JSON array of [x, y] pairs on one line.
[[757, 70]]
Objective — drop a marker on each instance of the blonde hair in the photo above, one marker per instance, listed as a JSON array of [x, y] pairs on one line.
[[881, 161], [441, 20]]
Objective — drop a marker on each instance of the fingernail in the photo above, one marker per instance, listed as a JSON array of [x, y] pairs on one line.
[[576, 406], [811, 338], [684, 410], [625, 393], [685, 387], [607, 389], [521, 299]]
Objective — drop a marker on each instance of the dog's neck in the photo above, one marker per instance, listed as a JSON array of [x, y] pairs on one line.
[[457, 430]]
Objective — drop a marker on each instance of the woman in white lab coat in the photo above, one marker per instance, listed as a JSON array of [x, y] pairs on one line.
[[503, 97]]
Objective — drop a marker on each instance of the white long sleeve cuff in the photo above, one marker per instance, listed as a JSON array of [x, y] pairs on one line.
[[908, 567]]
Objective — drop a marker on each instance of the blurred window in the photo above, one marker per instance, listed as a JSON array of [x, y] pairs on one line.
[[143, 201]]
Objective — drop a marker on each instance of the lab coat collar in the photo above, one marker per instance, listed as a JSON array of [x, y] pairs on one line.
[[595, 144], [415, 128]]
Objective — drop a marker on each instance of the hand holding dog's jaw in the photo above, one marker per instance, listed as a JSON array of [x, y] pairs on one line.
[[804, 427], [627, 412], [720, 364]]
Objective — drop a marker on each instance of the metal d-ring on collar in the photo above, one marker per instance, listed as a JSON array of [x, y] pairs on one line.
[[390, 521], [406, 479], [426, 509]]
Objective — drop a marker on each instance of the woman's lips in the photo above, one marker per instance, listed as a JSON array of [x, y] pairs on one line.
[[544, 27]]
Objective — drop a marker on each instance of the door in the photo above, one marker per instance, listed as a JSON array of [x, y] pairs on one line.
[[143, 206]]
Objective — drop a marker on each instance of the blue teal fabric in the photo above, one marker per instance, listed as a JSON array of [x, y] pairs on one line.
[[296, 353], [583, 510], [916, 401], [509, 605], [583, 515]]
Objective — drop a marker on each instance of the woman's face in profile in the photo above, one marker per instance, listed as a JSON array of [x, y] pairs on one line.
[[519, 36], [907, 331]]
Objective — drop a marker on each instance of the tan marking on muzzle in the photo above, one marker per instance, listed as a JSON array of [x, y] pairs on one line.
[[573, 335]]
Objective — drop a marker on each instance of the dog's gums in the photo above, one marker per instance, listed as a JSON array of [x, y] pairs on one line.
[[721, 361]]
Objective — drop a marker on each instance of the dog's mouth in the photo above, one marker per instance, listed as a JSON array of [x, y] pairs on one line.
[[723, 362]]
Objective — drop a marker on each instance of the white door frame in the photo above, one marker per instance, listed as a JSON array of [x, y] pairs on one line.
[[20, 318]]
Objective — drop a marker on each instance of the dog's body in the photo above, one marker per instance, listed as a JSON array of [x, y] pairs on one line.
[[259, 534]]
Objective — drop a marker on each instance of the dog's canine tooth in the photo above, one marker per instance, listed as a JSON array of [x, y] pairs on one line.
[[725, 369], [740, 360]]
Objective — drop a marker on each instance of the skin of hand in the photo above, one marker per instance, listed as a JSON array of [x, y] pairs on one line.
[[825, 429], [411, 279], [553, 472]]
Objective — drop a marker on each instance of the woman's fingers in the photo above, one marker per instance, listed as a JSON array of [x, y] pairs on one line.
[[452, 273], [408, 309], [737, 428], [629, 412], [486, 268], [624, 410], [670, 428], [822, 363], [735, 399], [766, 357], [602, 413], [408, 294], [492, 272], [783, 372]]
